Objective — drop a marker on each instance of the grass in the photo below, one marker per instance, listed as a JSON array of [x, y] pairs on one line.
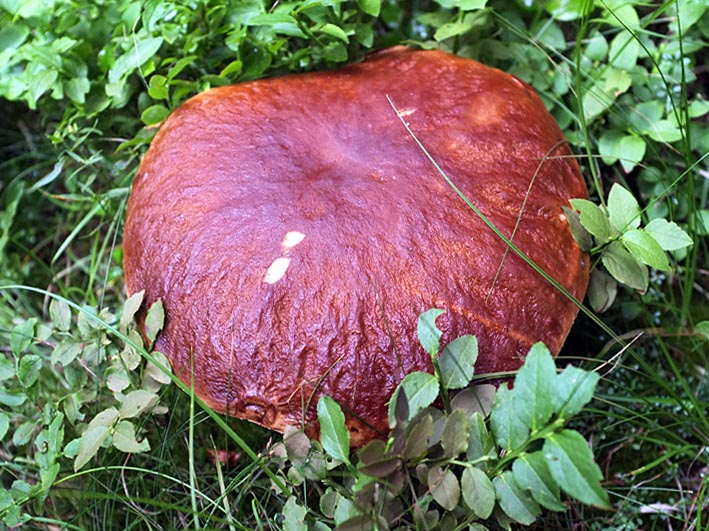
[[67, 166]]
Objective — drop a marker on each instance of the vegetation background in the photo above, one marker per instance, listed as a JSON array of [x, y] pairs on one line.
[[83, 88]]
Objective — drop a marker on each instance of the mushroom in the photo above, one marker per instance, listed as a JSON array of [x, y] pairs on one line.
[[294, 231]]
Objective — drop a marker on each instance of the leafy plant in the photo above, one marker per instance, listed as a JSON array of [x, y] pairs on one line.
[[625, 248], [489, 453], [74, 354]]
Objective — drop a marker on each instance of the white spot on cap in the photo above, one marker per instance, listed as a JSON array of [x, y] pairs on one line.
[[406, 112], [291, 239], [276, 270]]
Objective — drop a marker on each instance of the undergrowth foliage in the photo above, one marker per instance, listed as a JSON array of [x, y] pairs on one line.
[[626, 249], [499, 454], [85, 358], [84, 437]]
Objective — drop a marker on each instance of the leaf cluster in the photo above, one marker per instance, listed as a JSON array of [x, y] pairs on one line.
[[626, 249], [490, 454], [98, 58], [75, 356]]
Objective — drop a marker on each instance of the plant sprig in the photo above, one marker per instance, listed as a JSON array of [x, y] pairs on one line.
[[626, 249]]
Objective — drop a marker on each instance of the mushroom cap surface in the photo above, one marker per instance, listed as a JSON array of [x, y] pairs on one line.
[[295, 231]]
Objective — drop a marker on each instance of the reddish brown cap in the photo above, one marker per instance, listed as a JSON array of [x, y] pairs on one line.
[[295, 231]]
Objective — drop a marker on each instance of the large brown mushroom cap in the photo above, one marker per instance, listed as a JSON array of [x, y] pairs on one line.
[[294, 232]]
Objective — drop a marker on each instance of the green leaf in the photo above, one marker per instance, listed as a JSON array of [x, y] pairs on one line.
[[616, 81], [454, 438], [23, 433], [142, 50], [41, 82], [597, 47], [154, 320], [91, 441], [621, 13], [510, 432], [398, 408], [532, 474], [334, 435], [154, 114], [60, 314], [234, 68], [418, 435], [160, 375], [533, 387], [481, 445], [420, 388], [7, 369], [668, 234], [28, 369], [374, 461], [49, 442], [623, 209], [571, 464], [593, 219], [646, 249], [444, 487], [105, 418], [689, 12], [452, 29], [664, 131], [517, 503], [428, 334], [294, 516], [48, 476], [297, 444], [12, 35], [180, 65], [335, 51], [21, 336], [629, 149], [334, 31], [471, 5], [573, 389], [624, 51], [370, 7], [583, 237], [136, 402], [602, 291], [477, 398], [117, 378], [565, 10], [344, 511], [12, 398], [65, 352], [125, 441], [77, 88], [624, 267], [457, 362], [365, 36], [129, 356], [278, 23], [633, 152], [130, 308], [698, 108], [158, 89], [478, 492], [4, 424]]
